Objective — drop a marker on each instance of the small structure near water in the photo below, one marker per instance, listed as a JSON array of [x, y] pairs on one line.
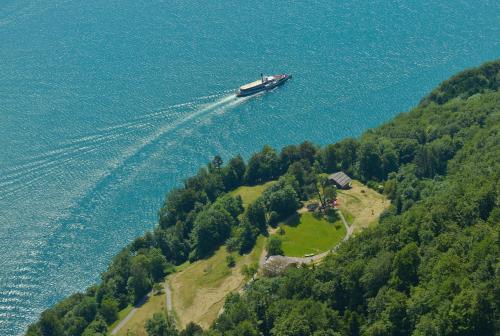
[[341, 180]]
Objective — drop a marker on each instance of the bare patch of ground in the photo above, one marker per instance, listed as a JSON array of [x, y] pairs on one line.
[[361, 205]]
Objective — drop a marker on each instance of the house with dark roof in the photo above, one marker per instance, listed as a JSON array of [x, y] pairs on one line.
[[341, 180]]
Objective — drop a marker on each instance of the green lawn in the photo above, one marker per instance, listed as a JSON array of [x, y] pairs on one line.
[[250, 193], [305, 234]]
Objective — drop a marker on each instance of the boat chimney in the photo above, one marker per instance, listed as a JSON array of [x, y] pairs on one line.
[[262, 77]]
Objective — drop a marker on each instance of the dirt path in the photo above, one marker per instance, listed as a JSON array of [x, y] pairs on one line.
[[349, 229], [129, 316], [168, 296], [263, 257]]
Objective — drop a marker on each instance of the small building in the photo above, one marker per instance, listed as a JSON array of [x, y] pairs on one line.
[[341, 180]]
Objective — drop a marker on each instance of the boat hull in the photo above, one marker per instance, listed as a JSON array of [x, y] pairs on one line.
[[265, 86]]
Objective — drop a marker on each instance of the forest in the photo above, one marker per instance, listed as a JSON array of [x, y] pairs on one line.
[[430, 267]]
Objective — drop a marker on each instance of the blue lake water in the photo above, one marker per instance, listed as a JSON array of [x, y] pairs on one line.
[[106, 105]]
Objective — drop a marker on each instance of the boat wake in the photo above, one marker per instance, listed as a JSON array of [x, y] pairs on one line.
[[74, 180], [138, 133]]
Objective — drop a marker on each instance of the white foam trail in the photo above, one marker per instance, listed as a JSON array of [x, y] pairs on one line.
[[165, 111], [164, 130], [41, 166], [58, 156], [104, 135]]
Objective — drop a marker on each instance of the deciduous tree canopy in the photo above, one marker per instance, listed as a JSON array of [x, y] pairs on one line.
[[430, 267]]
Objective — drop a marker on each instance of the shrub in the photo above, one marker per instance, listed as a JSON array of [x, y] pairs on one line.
[[274, 246], [230, 261]]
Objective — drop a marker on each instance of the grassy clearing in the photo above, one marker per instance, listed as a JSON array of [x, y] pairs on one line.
[[200, 289], [135, 326], [361, 206], [250, 193], [305, 234]]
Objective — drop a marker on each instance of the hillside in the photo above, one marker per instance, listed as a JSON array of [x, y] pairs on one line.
[[428, 268]]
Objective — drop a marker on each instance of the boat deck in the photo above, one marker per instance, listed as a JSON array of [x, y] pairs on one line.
[[251, 85]]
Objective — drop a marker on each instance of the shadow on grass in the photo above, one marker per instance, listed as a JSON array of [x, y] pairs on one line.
[[293, 220], [142, 301]]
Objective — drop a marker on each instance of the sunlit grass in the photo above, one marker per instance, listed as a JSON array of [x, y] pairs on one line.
[[249, 194], [307, 234]]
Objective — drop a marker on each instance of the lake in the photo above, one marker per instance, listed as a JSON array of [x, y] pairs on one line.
[[107, 105]]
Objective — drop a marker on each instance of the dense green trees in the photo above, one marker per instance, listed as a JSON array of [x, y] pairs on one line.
[[263, 166], [161, 325], [109, 310], [50, 324], [466, 84], [212, 227], [326, 191], [429, 267]]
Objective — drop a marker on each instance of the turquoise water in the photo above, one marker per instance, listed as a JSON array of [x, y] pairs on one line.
[[106, 105]]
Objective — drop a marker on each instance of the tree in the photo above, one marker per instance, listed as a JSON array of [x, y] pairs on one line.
[[139, 282], [326, 191], [249, 270], [307, 151], [348, 152], [98, 327], [211, 228], [370, 163], [192, 329], [109, 309], [233, 173], [256, 214], [50, 325], [353, 323], [158, 263], [161, 325], [469, 313], [216, 164], [233, 205], [405, 266], [389, 161], [230, 261], [304, 317], [284, 202], [329, 158], [262, 166], [245, 328], [274, 246], [87, 308], [73, 324], [246, 236], [330, 192], [288, 155]]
